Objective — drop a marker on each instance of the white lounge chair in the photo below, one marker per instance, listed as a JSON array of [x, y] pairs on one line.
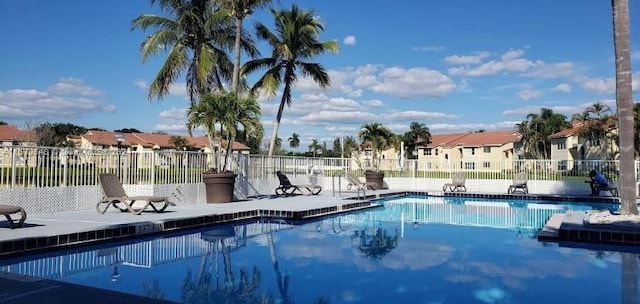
[[115, 195]]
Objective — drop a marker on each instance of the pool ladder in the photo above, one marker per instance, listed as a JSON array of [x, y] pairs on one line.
[[339, 176]]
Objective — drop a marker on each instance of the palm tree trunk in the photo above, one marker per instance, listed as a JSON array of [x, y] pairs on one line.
[[276, 126], [235, 78], [624, 104]]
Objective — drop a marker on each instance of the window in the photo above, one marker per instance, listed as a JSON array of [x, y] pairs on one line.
[[473, 151], [562, 144], [428, 151], [486, 165], [470, 166], [562, 165], [487, 149]]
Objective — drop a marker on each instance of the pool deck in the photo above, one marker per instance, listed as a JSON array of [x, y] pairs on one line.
[[43, 232]]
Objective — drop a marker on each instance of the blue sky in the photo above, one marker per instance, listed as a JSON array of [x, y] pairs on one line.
[[456, 65]]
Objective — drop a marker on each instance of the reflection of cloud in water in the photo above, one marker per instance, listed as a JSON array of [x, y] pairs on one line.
[[491, 295], [417, 255], [350, 296], [514, 276], [262, 239]]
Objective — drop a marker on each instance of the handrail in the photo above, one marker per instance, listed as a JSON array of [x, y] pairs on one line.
[[333, 186]]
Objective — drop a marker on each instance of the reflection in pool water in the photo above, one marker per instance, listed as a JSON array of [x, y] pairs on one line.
[[414, 250]]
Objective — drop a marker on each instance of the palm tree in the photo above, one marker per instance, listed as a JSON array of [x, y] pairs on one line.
[[417, 131], [380, 137], [624, 103], [350, 144], [598, 126], [294, 42], [314, 146], [536, 129], [196, 34], [294, 140], [240, 9], [228, 111]]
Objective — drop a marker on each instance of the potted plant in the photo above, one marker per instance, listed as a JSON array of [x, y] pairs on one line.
[[232, 115], [376, 137]]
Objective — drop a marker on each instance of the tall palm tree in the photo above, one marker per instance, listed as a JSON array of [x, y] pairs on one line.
[[536, 129], [294, 42], [240, 9], [315, 146], [417, 131], [380, 138], [598, 126], [196, 34], [228, 111], [624, 103], [294, 140]]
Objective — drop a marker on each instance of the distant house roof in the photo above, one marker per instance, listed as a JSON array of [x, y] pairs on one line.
[[11, 133], [203, 141], [150, 140], [571, 131], [480, 139]]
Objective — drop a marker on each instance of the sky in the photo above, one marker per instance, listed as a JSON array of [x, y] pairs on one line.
[[455, 65]]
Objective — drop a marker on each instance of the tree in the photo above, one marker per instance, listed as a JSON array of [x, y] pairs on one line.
[[228, 111], [240, 9], [196, 35], [2, 123], [597, 126], [380, 137], [337, 147], [127, 130], [418, 133], [350, 145], [294, 140], [179, 142], [536, 129], [624, 103], [294, 42], [314, 147], [55, 135]]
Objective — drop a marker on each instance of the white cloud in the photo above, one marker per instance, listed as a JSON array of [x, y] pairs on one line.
[[39, 105], [414, 82], [141, 84], [510, 61], [430, 48], [555, 70], [374, 103], [405, 116], [349, 40], [179, 89], [174, 121], [344, 117], [527, 95], [563, 87], [476, 58], [70, 86]]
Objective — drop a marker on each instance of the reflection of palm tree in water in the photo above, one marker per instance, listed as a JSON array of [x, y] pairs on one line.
[[377, 245], [204, 289], [282, 281]]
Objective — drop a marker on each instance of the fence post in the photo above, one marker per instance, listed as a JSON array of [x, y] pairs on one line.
[[153, 168], [13, 167], [65, 168]]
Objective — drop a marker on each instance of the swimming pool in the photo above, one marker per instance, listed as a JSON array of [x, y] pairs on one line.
[[414, 250]]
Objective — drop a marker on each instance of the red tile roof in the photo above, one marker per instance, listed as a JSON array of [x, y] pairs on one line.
[[480, 139], [11, 133], [573, 130], [149, 140]]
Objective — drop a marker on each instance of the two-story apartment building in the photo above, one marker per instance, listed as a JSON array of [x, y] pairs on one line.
[[11, 140], [484, 151], [568, 146]]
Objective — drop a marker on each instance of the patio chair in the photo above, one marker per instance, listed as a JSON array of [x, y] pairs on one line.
[[286, 188], [457, 183], [115, 195], [8, 210], [519, 183], [611, 187], [354, 181]]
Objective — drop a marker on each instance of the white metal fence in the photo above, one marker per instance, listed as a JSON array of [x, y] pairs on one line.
[[40, 178]]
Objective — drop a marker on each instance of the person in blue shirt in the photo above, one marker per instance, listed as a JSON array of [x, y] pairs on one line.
[[598, 181]]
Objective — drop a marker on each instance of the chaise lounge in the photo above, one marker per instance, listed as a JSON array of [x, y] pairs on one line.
[[8, 210], [354, 181], [519, 183], [457, 183], [115, 195], [286, 188]]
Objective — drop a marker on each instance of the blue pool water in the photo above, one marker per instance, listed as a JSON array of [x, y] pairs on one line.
[[413, 250]]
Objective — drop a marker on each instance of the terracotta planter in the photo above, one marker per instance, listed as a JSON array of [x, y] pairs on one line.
[[376, 177], [219, 187]]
